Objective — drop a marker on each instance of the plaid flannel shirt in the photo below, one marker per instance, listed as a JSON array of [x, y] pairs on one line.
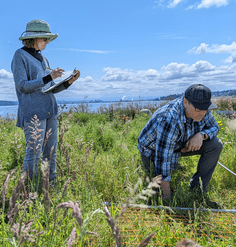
[[167, 132]]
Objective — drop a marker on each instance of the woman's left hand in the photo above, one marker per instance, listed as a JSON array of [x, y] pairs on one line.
[[74, 78]]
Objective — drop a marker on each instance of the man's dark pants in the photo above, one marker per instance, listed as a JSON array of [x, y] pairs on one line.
[[210, 153]]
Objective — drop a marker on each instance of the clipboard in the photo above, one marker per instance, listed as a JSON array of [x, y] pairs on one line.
[[59, 83]]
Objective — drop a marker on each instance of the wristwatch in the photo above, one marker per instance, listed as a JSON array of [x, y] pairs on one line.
[[204, 135]]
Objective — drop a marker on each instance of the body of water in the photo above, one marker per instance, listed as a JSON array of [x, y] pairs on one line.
[[11, 110]]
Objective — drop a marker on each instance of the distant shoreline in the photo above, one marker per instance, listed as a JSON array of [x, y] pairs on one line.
[[9, 103], [215, 95]]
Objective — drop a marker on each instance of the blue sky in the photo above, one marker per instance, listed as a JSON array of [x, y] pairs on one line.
[[141, 48]]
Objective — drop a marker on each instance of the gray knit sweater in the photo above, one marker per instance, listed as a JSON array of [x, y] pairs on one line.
[[28, 73]]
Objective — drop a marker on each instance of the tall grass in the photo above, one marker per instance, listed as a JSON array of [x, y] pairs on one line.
[[98, 161]]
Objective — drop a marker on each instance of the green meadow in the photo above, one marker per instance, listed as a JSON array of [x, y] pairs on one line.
[[98, 161]]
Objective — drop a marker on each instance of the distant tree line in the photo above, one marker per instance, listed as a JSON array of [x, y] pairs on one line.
[[231, 93]]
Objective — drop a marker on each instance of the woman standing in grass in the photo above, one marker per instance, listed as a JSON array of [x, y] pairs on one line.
[[32, 76]]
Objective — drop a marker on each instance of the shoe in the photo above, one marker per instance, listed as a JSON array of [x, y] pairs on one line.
[[212, 204]]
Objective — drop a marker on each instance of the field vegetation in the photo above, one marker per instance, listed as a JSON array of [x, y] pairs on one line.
[[98, 161]]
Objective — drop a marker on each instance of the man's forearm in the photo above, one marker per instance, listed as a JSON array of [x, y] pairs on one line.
[[165, 187]]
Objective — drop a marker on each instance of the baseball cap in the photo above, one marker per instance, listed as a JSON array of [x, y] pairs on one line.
[[199, 96]]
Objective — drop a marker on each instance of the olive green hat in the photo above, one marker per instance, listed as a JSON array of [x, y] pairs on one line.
[[38, 29]]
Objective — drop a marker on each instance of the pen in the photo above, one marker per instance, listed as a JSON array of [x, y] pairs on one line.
[[74, 74], [48, 68]]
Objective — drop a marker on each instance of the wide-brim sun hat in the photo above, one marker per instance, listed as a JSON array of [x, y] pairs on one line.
[[38, 29]]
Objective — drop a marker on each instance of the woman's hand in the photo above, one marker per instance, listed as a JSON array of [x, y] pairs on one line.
[[57, 73], [74, 78]]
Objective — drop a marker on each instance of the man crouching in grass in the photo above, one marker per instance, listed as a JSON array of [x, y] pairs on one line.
[[182, 127]]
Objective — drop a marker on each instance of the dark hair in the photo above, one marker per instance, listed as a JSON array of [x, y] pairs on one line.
[[29, 43], [187, 101]]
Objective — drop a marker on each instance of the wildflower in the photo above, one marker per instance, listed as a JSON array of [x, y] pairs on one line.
[[218, 122], [33, 196]]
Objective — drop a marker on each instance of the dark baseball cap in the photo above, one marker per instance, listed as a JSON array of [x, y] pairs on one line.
[[199, 96]]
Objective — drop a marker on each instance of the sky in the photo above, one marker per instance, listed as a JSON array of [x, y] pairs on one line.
[[128, 49]]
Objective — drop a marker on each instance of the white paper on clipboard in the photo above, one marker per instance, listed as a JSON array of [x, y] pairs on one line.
[[59, 83]]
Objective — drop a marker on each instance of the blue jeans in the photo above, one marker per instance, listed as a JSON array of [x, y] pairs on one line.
[[41, 137], [210, 152]]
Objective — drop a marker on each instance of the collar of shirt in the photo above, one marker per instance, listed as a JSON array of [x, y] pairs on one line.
[[33, 52], [182, 112]]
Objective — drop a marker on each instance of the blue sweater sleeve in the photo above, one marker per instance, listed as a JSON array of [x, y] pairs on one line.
[[20, 73]]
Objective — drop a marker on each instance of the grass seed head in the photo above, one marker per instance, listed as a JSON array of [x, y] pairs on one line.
[[65, 187], [5, 185], [187, 243], [114, 228], [19, 187], [145, 241], [71, 238], [232, 125], [77, 214]]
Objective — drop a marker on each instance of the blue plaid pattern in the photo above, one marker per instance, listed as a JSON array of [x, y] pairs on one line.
[[167, 132]]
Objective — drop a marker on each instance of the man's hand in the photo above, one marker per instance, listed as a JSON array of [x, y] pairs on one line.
[[193, 144], [74, 78], [165, 187]]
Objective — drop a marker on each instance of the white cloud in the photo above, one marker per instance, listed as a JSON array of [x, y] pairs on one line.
[[5, 74], [170, 36], [199, 50], [116, 74], [231, 59], [194, 5], [83, 50], [205, 48], [96, 51], [117, 82], [211, 3], [86, 79], [7, 86], [159, 3], [171, 79], [174, 3]]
